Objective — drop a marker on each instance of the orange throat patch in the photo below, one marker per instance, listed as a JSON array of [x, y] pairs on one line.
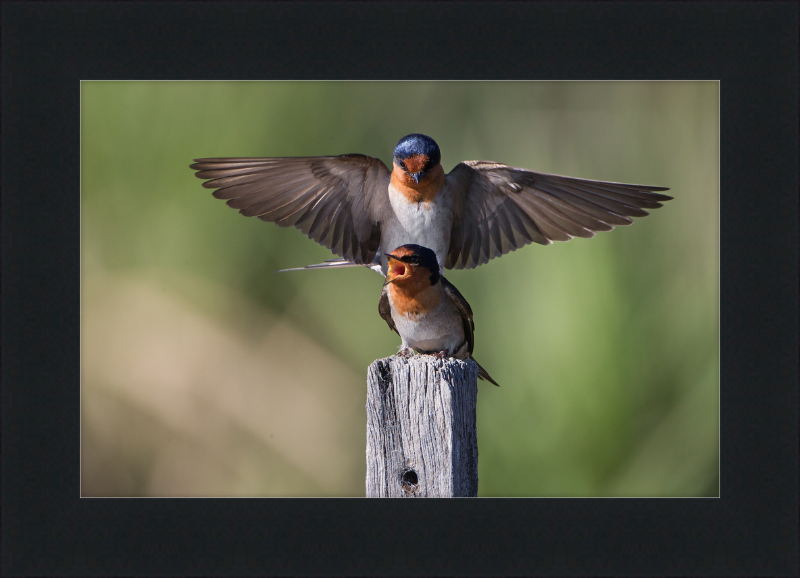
[[414, 295], [423, 192]]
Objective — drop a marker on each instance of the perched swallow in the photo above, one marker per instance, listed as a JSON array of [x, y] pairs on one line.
[[425, 309], [359, 209]]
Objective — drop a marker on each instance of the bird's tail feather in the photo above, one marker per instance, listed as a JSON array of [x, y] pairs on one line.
[[483, 374], [330, 264]]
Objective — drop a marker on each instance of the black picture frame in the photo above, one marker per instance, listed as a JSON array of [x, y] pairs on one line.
[[751, 48]]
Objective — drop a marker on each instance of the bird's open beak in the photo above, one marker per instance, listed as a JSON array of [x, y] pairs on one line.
[[396, 268]]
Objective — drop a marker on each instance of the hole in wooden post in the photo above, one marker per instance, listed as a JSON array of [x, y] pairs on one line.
[[409, 481]]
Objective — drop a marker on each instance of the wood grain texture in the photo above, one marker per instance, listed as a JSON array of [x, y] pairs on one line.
[[421, 431]]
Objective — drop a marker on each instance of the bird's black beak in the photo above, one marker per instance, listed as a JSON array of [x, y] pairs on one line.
[[418, 176]]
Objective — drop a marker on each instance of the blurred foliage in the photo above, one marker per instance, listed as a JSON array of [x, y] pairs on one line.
[[206, 373]]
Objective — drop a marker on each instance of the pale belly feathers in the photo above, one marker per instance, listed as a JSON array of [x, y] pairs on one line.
[[427, 224], [440, 329]]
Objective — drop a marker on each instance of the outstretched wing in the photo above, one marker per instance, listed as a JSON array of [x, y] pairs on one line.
[[385, 309], [463, 308], [501, 208], [337, 201]]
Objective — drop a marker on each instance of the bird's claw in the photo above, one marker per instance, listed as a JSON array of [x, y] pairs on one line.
[[405, 353]]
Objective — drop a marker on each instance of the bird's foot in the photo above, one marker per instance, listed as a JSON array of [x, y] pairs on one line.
[[405, 353], [440, 355]]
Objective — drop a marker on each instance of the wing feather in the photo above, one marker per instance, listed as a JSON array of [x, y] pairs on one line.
[[385, 310], [338, 201], [500, 208], [521, 222], [609, 214], [464, 309]]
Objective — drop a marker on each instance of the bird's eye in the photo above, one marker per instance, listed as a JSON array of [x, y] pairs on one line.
[[414, 259], [403, 165]]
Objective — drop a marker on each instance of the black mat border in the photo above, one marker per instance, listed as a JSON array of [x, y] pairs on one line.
[[48, 47]]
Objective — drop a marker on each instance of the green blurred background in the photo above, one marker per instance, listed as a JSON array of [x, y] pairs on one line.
[[204, 373]]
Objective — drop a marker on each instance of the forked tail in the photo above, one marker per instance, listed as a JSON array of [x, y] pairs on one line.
[[483, 374]]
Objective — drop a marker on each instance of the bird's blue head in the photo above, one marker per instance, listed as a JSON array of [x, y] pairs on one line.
[[416, 154]]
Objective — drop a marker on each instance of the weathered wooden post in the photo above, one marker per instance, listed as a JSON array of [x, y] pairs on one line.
[[421, 434]]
